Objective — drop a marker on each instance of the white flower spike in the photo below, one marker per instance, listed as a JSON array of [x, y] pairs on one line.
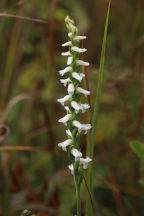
[[71, 102]]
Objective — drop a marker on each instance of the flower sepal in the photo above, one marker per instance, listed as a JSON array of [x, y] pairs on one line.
[[80, 175], [76, 167]]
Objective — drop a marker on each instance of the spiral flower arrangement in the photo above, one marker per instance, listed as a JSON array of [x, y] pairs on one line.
[[73, 106]]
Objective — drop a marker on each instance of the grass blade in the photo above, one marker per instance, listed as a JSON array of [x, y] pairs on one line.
[[138, 148], [89, 210]]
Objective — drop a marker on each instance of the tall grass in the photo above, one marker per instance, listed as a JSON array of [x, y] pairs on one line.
[[90, 146]]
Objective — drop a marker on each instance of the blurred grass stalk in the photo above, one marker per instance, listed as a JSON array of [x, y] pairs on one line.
[[9, 68], [6, 91], [90, 144]]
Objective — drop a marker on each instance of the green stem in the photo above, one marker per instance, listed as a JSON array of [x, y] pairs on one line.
[[78, 199]]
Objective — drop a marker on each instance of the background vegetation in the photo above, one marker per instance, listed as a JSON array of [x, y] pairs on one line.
[[33, 170]]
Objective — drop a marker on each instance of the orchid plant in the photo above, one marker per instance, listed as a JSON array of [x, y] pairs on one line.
[[73, 106]]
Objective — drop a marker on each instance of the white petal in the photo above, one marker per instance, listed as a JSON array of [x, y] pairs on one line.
[[76, 106], [70, 60], [69, 43], [69, 133], [77, 76], [73, 28], [64, 144], [79, 37], [65, 119], [79, 50], [71, 89], [67, 108], [86, 127], [65, 81], [81, 127], [66, 53], [83, 91], [71, 168], [64, 71], [84, 107], [64, 99], [77, 154], [85, 161], [78, 125], [70, 34], [82, 63]]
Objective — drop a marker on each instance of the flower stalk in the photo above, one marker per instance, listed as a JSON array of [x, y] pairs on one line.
[[73, 106]]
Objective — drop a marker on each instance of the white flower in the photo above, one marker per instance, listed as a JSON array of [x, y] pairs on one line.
[[64, 99], [77, 154], [73, 28], [66, 70], [79, 50], [79, 37], [81, 127], [69, 133], [65, 81], [82, 63], [78, 125], [71, 168], [78, 76], [85, 161], [76, 106], [70, 60], [65, 119], [64, 144], [67, 108], [70, 34], [69, 43], [83, 91], [71, 89], [66, 53], [84, 107], [86, 127]]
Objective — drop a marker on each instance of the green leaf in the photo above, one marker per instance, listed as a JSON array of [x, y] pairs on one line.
[[89, 211], [138, 148]]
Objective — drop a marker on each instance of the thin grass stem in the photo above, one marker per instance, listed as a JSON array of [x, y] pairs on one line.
[[90, 149], [78, 199]]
